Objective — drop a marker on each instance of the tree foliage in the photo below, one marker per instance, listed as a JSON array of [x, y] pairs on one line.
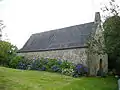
[[112, 39], [7, 52], [2, 26], [112, 34], [112, 9]]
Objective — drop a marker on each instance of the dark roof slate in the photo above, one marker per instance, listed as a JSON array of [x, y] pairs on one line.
[[69, 37]]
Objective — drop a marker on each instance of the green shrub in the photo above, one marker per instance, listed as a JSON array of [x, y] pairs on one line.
[[51, 62], [25, 64], [68, 71], [7, 52], [65, 64], [15, 61], [53, 65]]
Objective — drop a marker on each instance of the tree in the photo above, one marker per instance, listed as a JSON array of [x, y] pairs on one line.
[[112, 9], [112, 34], [1, 27], [7, 52], [112, 38]]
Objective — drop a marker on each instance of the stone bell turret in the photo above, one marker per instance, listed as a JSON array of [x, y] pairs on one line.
[[97, 18]]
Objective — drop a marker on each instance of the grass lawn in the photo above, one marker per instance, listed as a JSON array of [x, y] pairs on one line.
[[12, 79]]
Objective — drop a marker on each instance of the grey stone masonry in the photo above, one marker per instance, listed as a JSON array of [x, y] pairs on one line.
[[78, 55]]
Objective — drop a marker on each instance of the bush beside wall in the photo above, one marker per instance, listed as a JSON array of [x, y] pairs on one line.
[[50, 65]]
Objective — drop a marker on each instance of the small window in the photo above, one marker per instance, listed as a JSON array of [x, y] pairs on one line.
[[100, 63]]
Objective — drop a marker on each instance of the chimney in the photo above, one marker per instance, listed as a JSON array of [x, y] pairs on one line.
[[97, 18]]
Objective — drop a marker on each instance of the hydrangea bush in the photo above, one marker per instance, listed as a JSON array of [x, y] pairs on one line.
[[80, 70], [52, 65]]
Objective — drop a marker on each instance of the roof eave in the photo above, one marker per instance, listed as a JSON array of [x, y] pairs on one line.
[[52, 49]]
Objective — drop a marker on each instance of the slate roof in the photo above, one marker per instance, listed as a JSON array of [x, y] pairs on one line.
[[65, 38]]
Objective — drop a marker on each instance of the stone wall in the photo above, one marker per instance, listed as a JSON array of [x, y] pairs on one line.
[[94, 63], [78, 55], [95, 52]]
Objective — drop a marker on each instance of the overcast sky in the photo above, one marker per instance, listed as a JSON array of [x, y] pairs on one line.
[[25, 17]]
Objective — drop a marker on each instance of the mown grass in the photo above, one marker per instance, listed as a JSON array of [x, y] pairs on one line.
[[13, 79]]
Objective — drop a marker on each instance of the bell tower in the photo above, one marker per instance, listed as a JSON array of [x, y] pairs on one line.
[[97, 18]]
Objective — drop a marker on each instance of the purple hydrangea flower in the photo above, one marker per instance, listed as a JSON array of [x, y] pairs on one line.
[[79, 66], [55, 68], [43, 68]]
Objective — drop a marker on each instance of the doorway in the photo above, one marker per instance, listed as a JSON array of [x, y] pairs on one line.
[[100, 70]]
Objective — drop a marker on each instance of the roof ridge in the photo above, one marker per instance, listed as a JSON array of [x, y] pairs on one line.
[[61, 28]]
